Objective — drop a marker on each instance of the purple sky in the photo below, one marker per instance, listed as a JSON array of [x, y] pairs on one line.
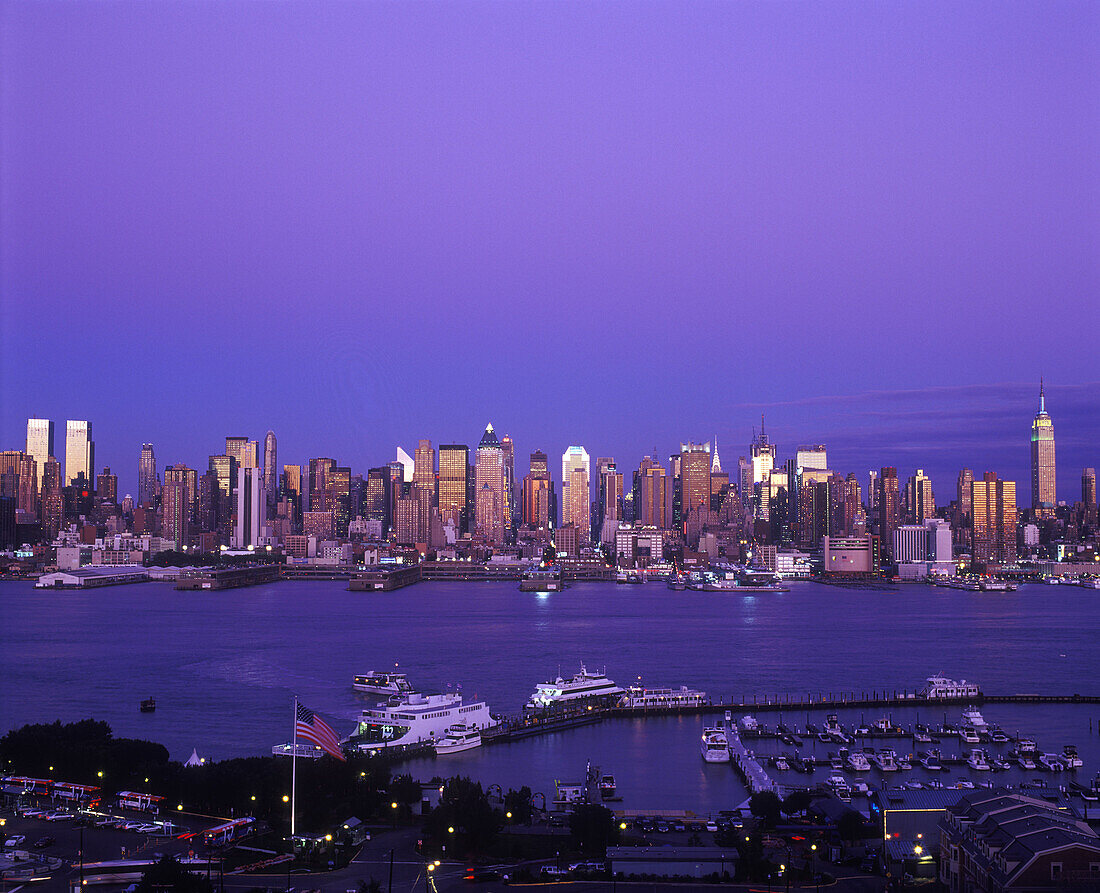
[[619, 224]]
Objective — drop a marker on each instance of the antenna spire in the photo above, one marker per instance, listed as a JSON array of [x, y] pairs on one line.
[[1042, 396]]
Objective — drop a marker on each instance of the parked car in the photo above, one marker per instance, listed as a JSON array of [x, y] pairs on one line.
[[554, 871], [15, 840], [44, 842], [712, 826], [678, 826]]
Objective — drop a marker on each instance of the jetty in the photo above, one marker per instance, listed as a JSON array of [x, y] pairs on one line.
[[745, 763]]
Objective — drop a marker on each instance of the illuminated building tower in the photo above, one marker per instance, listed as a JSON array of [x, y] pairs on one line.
[[920, 504], [762, 453], [993, 520], [1043, 484], [962, 495], [537, 489], [490, 485], [40, 443], [377, 503], [675, 485], [338, 497], [79, 450], [292, 481], [574, 491], [147, 475], [454, 486], [872, 494], [19, 480], [106, 486], [695, 466], [249, 527], [744, 479], [236, 447], [1088, 488], [853, 507], [508, 446], [651, 495], [206, 513], [271, 473], [175, 512], [188, 477], [319, 469], [423, 489], [889, 506], [609, 504], [813, 456]]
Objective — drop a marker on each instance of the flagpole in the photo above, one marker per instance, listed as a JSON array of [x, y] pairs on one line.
[[293, 773]]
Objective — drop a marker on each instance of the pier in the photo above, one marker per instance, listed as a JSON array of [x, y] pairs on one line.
[[745, 763]]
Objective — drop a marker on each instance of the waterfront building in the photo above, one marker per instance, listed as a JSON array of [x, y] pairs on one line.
[[1043, 481], [575, 491], [993, 520], [490, 484], [147, 475], [910, 543], [454, 486], [1088, 488], [851, 555], [889, 508], [919, 501], [538, 494], [79, 450], [249, 527], [638, 545], [695, 484], [40, 445]]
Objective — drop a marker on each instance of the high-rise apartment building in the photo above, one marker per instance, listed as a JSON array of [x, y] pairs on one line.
[[1043, 482], [271, 472], [147, 475], [920, 504], [79, 451], [40, 444], [889, 505], [19, 480], [575, 495], [993, 520], [508, 447], [652, 499], [106, 486], [189, 478], [454, 476], [490, 486], [175, 511], [319, 469], [537, 500]]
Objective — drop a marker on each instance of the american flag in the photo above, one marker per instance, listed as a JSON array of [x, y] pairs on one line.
[[310, 726]]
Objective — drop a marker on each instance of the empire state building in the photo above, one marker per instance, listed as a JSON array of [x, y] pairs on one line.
[[1043, 484]]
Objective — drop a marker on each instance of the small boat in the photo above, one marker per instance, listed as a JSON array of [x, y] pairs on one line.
[[964, 784], [999, 764], [885, 760], [934, 785], [977, 760], [914, 786], [148, 705], [839, 785], [1070, 757], [1026, 745], [714, 746], [458, 738], [1025, 761], [931, 762], [858, 762], [1051, 762], [969, 735], [921, 737], [904, 764], [607, 787], [997, 736], [781, 763]]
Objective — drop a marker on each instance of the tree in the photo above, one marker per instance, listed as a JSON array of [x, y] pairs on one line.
[[797, 802], [518, 803], [465, 808], [168, 875], [593, 828], [405, 790], [851, 826], [765, 806]]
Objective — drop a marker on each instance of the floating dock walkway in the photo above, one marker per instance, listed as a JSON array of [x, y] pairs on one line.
[[746, 764]]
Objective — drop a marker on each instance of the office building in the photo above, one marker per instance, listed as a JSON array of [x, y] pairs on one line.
[[147, 475], [910, 543], [762, 454], [609, 500], [575, 491], [319, 469], [490, 485], [813, 456], [40, 445], [508, 448], [537, 494], [889, 507], [920, 504], [454, 485], [377, 504], [79, 451], [1043, 482], [248, 530], [271, 473], [652, 499], [695, 468], [993, 520], [19, 480], [189, 478], [1088, 488], [236, 447]]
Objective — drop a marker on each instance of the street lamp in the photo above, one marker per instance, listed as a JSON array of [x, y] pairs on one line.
[[813, 865], [393, 808]]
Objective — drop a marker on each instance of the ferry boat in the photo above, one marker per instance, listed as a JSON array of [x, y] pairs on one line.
[[959, 583], [583, 688], [973, 717], [714, 746], [458, 738], [858, 762], [662, 698], [725, 585], [885, 760], [542, 579], [997, 586], [942, 687], [977, 760], [385, 684], [149, 705], [416, 719]]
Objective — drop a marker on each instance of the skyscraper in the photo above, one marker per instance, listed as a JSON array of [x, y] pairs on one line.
[[319, 469], [889, 507], [920, 504], [762, 453], [249, 526], [235, 447], [651, 496], [1088, 488], [609, 504], [695, 468], [423, 489], [574, 490], [79, 450], [189, 478], [813, 456], [1043, 483], [147, 475], [175, 511], [40, 443], [537, 501], [271, 472], [490, 485], [508, 447], [454, 474], [993, 522]]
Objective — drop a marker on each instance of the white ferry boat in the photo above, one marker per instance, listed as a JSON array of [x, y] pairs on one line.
[[662, 698], [416, 719], [585, 686], [942, 687], [714, 746], [385, 684], [458, 738]]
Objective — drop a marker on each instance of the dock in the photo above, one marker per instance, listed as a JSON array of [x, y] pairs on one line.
[[228, 577], [746, 764]]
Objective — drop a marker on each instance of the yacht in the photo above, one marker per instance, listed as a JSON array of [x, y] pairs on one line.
[[905, 763], [458, 738], [839, 785], [999, 764], [858, 762], [1051, 762], [1025, 761], [834, 730], [781, 763], [583, 688], [964, 784], [1026, 745], [977, 760], [750, 724], [931, 762], [969, 735], [417, 719], [607, 787], [385, 684], [885, 760], [942, 687], [1070, 758], [921, 737], [662, 698], [972, 717], [997, 735], [714, 746]]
